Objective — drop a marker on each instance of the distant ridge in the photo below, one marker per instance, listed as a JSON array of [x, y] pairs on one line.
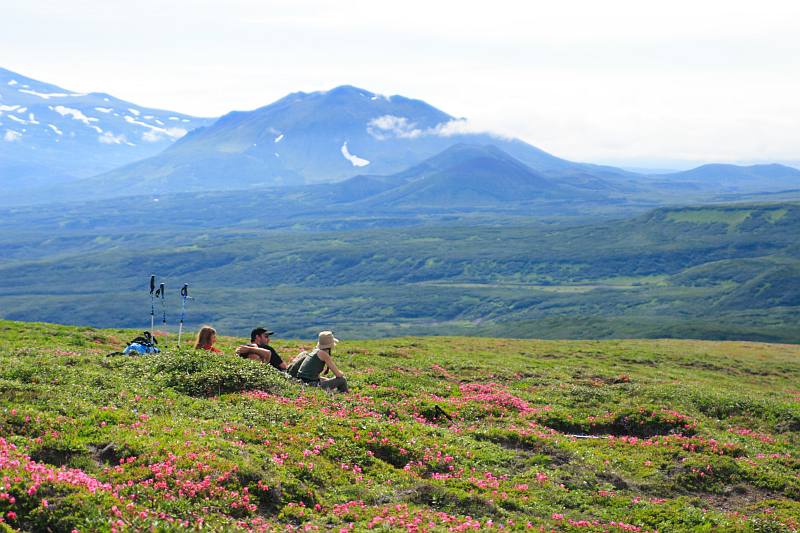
[[464, 175], [70, 146], [313, 137], [51, 135], [751, 177]]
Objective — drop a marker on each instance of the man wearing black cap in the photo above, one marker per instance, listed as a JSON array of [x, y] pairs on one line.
[[260, 350]]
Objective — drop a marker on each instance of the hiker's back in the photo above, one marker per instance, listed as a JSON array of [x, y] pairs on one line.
[[312, 367], [294, 367]]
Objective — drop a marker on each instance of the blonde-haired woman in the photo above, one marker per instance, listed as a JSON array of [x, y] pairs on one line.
[[317, 360], [206, 338]]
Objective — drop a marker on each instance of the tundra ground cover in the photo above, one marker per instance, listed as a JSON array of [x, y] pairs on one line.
[[438, 434]]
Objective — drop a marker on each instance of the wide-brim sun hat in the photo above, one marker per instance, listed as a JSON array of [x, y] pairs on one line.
[[326, 340]]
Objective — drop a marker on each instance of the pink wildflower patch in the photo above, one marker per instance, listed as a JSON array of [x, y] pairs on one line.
[[493, 395]]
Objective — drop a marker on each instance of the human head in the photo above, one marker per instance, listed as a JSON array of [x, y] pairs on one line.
[[205, 337], [258, 332], [326, 340]]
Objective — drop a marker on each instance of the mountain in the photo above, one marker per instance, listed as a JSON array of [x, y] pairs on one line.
[[316, 137], [462, 176], [727, 178], [50, 134]]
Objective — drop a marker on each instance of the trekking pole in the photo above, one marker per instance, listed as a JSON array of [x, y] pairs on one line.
[[152, 302], [184, 296], [161, 291]]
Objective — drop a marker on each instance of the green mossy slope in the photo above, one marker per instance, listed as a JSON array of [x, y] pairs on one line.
[[439, 433]]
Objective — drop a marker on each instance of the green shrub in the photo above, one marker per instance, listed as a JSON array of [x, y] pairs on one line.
[[201, 373]]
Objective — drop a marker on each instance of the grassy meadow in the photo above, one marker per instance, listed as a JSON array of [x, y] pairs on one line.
[[437, 434]]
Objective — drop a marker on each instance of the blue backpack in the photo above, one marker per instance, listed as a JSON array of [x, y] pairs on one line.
[[142, 345]]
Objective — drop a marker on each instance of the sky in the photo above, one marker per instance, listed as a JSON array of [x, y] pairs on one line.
[[633, 83]]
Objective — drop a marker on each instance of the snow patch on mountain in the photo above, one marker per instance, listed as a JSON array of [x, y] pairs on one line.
[[74, 113], [156, 133], [109, 138], [354, 159], [45, 96]]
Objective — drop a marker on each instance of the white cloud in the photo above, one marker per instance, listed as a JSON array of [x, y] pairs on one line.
[[8, 107], [394, 127], [11, 136], [462, 126], [152, 136], [134, 111], [354, 159], [12, 82], [279, 138], [55, 129], [109, 138], [391, 126], [104, 109]]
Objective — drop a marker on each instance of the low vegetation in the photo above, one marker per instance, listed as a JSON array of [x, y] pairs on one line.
[[438, 434]]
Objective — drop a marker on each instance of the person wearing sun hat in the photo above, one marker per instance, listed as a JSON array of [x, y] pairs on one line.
[[317, 360]]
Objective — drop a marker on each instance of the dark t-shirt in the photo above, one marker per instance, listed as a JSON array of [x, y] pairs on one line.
[[275, 359]]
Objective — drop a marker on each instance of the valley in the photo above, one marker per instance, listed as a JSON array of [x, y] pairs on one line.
[[726, 272]]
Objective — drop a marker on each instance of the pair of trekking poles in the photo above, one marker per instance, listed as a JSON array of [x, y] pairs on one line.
[[160, 293]]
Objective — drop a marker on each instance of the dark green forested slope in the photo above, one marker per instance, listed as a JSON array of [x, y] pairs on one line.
[[718, 272]]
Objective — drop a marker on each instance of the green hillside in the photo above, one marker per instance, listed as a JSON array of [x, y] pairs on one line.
[[437, 434], [721, 272]]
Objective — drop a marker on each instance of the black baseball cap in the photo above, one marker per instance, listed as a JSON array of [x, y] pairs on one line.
[[260, 331]]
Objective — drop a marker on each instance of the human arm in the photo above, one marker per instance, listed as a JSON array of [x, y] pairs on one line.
[[252, 351], [328, 360]]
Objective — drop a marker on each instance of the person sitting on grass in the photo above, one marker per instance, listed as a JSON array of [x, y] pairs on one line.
[[260, 350], [317, 360], [206, 338]]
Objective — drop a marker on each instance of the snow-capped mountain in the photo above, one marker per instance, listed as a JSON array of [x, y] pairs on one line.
[[47, 132], [314, 137]]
